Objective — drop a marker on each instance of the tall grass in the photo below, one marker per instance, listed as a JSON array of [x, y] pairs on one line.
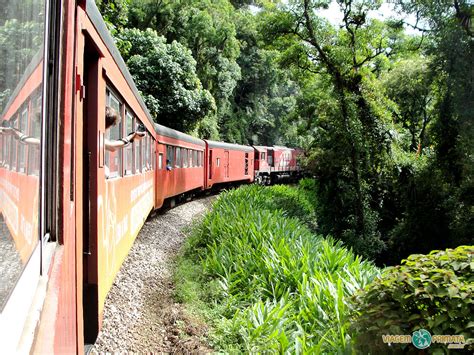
[[277, 286]]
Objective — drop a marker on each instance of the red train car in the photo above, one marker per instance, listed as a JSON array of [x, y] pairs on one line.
[[228, 163], [274, 164], [70, 208], [180, 166]]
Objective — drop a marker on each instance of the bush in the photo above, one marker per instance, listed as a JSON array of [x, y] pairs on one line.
[[432, 292], [282, 289]]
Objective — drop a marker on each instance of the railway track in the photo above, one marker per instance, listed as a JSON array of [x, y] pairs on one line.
[[140, 313]]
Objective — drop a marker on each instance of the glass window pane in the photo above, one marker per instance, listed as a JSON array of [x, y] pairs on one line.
[[22, 146], [21, 81], [177, 163], [137, 148]]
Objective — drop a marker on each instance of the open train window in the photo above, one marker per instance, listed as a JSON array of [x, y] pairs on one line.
[[128, 151], [262, 156], [169, 155], [218, 162], [137, 149], [113, 160]]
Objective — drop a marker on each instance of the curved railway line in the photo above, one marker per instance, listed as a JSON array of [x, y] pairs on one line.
[[140, 314]]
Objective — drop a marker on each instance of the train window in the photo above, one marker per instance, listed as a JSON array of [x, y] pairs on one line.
[[185, 157], [144, 145], [137, 149], [190, 158], [152, 152], [262, 156], [246, 167], [270, 160], [14, 146], [113, 160], [218, 162], [35, 132], [22, 126], [148, 156], [169, 155], [128, 151], [195, 158], [178, 162], [7, 151], [160, 161]]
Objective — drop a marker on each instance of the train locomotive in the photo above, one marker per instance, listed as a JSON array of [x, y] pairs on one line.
[[70, 209]]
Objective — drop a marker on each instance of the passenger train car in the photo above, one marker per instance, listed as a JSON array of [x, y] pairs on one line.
[[70, 209]]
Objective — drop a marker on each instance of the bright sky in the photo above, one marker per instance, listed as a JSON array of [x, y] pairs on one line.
[[386, 11]]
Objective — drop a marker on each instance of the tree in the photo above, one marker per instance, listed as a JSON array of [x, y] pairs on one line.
[[409, 85], [166, 76], [352, 146]]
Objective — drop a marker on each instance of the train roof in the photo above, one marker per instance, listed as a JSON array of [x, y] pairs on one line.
[[99, 24], [172, 133], [214, 144], [262, 148]]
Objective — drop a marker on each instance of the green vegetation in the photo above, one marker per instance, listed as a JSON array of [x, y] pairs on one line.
[[384, 114], [433, 292], [386, 118], [265, 281]]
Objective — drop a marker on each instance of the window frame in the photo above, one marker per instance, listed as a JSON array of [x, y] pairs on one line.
[[128, 151], [117, 155]]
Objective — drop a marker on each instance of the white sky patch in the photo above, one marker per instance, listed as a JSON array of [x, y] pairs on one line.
[[386, 11]]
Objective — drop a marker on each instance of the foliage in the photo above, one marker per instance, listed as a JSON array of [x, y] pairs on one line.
[[409, 85], [434, 292], [20, 43], [115, 12], [350, 144], [280, 287], [165, 74], [385, 116]]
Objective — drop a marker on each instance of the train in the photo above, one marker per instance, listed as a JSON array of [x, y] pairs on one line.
[[70, 209]]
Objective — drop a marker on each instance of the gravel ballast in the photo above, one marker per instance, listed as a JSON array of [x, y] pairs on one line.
[[140, 314]]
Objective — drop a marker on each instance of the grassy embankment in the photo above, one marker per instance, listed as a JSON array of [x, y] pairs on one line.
[[262, 280]]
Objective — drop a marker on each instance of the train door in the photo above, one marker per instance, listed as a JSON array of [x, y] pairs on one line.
[[226, 163], [210, 164], [270, 158], [92, 159]]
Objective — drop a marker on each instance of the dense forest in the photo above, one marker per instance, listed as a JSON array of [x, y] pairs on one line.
[[382, 106]]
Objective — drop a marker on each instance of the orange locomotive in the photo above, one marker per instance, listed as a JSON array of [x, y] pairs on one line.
[[71, 203]]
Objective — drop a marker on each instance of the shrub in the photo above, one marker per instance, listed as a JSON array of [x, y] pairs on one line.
[[432, 292], [282, 289]]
